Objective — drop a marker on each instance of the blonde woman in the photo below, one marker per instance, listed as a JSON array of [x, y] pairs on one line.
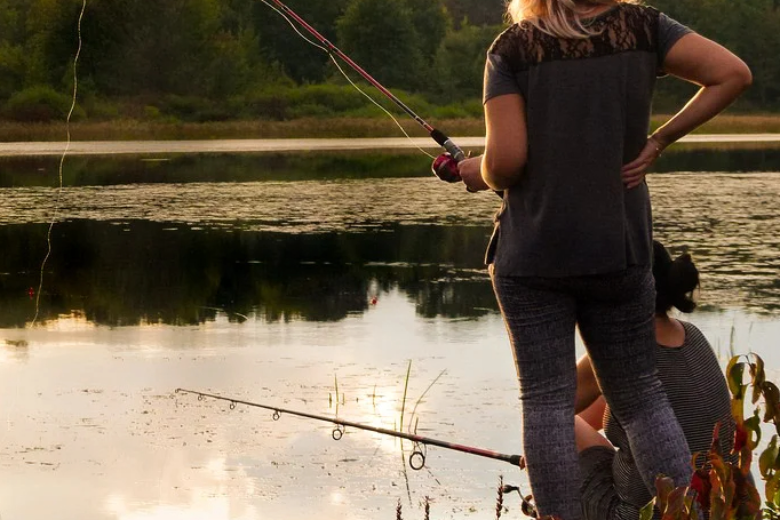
[[568, 90]]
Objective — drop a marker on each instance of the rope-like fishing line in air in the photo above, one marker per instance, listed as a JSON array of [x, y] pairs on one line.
[[346, 76], [61, 164]]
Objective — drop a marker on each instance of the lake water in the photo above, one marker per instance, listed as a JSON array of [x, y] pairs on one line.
[[310, 291]]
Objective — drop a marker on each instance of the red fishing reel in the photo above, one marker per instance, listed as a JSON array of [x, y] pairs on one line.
[[445, 167]]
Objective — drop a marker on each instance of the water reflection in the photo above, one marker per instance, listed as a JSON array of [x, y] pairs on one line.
[[181, 254], [140, 272]]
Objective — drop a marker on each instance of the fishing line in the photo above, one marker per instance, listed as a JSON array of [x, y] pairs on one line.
[[346, 76], [381, 108], [58, 196]]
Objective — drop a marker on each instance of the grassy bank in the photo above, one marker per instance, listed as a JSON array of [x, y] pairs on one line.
[[313, 127]]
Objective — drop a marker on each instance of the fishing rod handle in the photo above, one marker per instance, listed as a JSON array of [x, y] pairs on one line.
[[454, 150], [446, 143]]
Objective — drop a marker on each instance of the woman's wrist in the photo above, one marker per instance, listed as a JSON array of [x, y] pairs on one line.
[[659, 142]]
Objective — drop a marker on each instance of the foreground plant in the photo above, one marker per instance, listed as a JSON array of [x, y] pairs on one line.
[[722, 487]]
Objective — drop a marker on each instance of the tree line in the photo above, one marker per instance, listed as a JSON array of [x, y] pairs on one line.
[[223, 59]]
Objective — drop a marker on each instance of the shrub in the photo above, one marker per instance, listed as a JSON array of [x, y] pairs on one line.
[[102, 110], [40, 104], [151, 112], [264, 104], [185, 108], [336, 98], [309, 110], [303, 101]]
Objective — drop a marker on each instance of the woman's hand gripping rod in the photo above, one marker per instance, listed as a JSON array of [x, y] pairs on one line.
[[445, 166]]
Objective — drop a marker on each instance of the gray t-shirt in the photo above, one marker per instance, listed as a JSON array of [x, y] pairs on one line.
[[587, 113]]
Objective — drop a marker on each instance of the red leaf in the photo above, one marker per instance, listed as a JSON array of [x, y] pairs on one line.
[[701, 484], [740, 437]]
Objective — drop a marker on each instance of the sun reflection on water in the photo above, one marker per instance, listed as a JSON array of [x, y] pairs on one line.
[[219, 495]]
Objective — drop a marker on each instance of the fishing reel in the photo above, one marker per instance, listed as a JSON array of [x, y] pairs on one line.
[[445, 167]]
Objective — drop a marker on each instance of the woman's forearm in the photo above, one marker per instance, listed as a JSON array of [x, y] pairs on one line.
[[500, 177], [705, 105], [721, 74]]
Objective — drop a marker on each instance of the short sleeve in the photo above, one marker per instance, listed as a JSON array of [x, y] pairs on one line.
[[669, 32], [499, 79]]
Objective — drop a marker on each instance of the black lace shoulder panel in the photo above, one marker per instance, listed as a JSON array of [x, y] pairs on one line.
[[627, 27]]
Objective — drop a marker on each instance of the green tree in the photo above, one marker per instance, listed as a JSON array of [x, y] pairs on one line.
[[12, 39], [431, 21], [477, 12], [49, 47], [174, 47], [460, 61], [753, 33], [381, 37], [746, 27], [280, 44], [157, 47], [12, 67]]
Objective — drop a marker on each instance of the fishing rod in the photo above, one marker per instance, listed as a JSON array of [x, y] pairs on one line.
[[445, 166], [416, 459]]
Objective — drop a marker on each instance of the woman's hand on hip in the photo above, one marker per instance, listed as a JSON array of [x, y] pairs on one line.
[[633, 173], [471, 172]]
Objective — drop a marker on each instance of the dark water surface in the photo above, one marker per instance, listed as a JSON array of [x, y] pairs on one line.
[[280, 289]]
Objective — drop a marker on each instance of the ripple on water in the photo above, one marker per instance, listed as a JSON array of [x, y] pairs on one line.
[[731, 225], [730, 222]]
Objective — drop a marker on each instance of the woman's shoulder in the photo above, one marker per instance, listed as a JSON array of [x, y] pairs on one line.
[[686, 340], [696, 343], [510, 37], [692, 333], [627, 26]]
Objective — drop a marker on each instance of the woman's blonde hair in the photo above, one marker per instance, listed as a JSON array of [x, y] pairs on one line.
[[559, 18]]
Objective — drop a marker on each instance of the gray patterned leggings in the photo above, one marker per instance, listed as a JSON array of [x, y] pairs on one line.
[[615, 317]]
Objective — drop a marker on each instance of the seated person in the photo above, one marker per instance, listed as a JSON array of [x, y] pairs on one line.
[[612, 488]]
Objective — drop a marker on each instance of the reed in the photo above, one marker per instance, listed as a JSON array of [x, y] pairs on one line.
[[403, 399]]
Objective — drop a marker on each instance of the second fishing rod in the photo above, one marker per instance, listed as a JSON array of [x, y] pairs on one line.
[[445, 166], [416, 459]]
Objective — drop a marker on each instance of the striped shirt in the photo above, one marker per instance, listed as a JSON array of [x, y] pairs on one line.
[[699, 395]]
